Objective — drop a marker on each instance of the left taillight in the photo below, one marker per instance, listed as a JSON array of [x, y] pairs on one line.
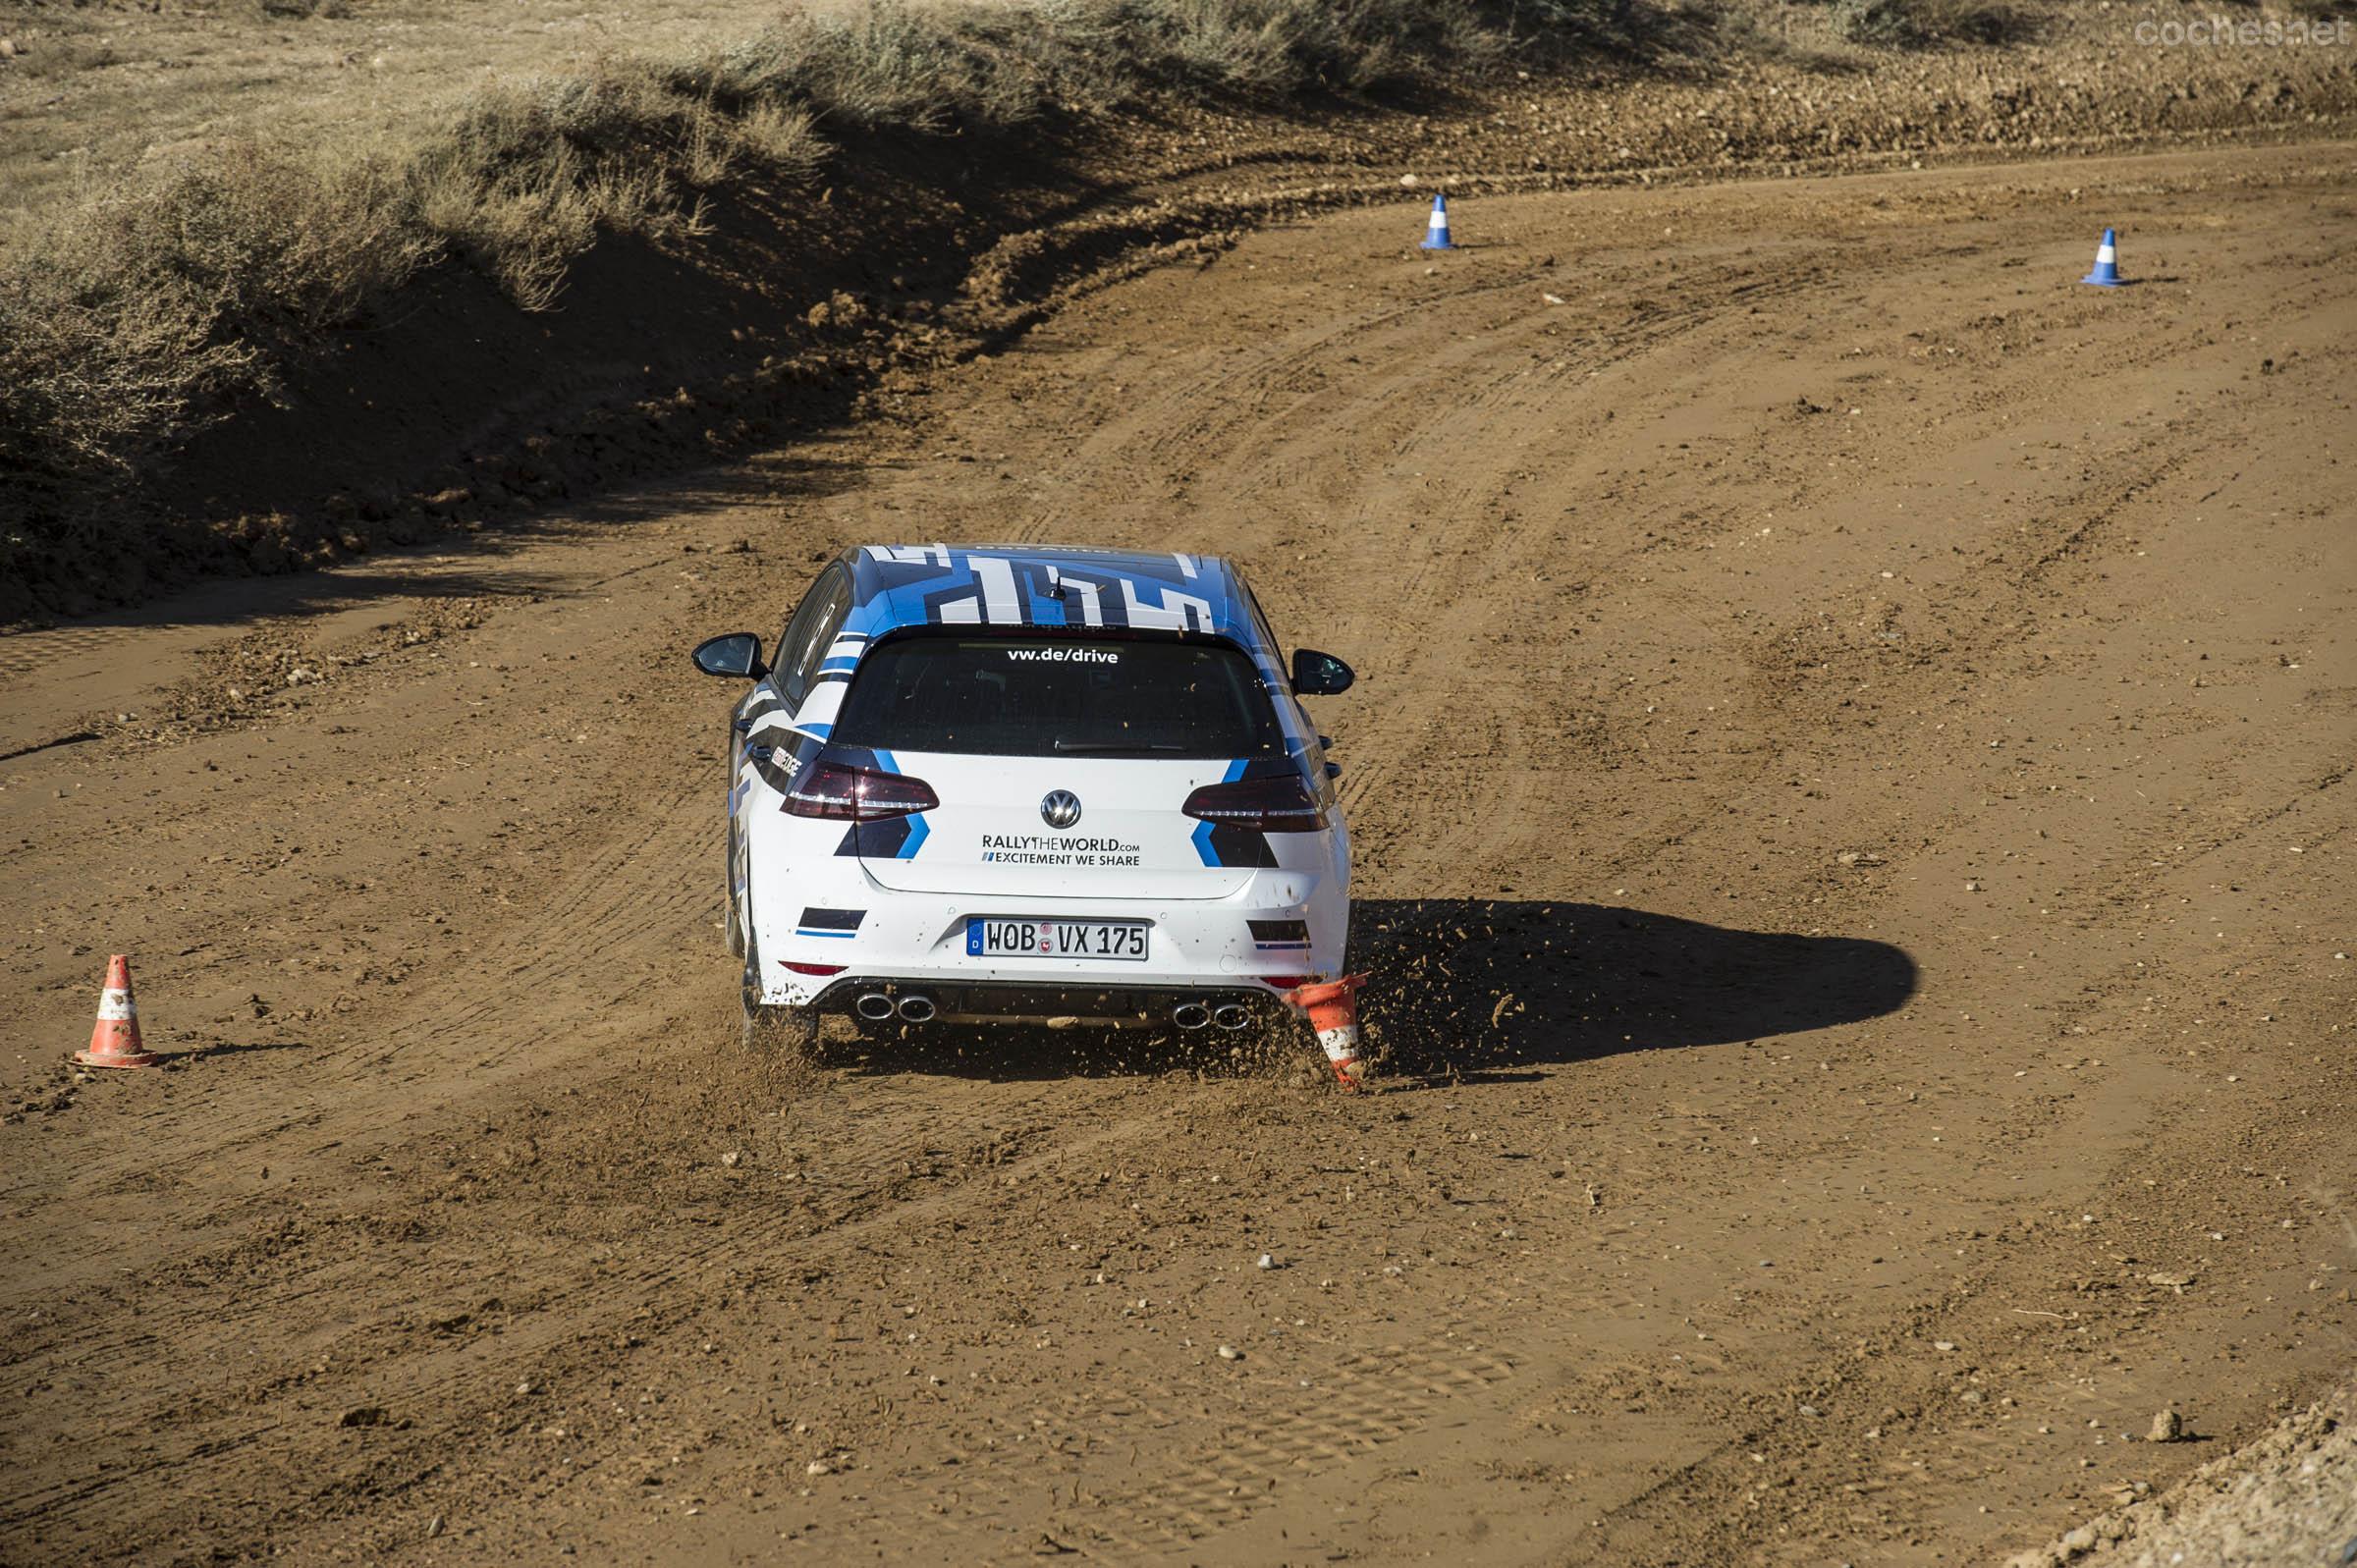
[[1280, 804], [845, 794]]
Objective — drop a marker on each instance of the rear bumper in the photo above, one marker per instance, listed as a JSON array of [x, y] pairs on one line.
[[1119, 1005], [1280, 924]]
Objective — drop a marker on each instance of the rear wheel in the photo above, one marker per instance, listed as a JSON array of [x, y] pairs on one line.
[[734, 913], [773, 1029]]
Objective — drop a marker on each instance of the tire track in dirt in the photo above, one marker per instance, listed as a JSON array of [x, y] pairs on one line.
[[1442, 403], [929, 1272], [2140, 464], [1196, 1506]]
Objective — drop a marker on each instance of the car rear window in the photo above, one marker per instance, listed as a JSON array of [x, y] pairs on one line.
[[1059, 697]]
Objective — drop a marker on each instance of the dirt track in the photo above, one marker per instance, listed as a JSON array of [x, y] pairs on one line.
[[1849, 779]]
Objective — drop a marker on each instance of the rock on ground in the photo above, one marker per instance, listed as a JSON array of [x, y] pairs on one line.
[[2286, 1498]]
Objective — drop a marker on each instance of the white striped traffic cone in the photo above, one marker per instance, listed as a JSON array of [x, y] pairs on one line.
[[1333, 1009], [115, 1041], [1436, 229], [2107, 265]]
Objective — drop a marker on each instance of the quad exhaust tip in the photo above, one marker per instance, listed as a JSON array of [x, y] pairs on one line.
[[1231, 1016], [873, 1006], [918, 1009], [1191, 1015]]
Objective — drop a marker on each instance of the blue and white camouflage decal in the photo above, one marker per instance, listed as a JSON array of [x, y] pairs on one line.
[[904, 586], [894, 838], [1043, 587], [1225, 844]]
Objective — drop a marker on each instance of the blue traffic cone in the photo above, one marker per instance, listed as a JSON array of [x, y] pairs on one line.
[[2107, 265], [1436, 232]]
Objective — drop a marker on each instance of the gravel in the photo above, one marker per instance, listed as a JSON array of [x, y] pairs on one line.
[[2287, 1499]]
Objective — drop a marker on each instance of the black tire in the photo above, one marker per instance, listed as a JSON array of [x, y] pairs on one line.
[[774, 1030], [730, 917], [734, 917]]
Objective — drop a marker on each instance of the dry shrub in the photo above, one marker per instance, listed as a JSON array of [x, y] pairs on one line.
[[886, 65], [1924, 23], [1264, 47], [938, 66], [518, 228], [130, 321], [782, 139], [122, 318], [534, 171]]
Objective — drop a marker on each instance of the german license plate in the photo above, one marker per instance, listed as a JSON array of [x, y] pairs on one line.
[[994, 937]]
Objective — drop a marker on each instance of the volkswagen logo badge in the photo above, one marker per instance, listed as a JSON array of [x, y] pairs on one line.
[[1061, 809]]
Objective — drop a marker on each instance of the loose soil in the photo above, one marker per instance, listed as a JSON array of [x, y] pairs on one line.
[[1849, 780], [2289, 1496]]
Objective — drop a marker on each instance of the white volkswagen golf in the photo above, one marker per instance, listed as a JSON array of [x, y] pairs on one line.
[[1028, 784]]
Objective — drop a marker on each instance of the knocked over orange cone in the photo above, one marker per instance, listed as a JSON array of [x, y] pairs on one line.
[[115, 1042], [1332, 1009]]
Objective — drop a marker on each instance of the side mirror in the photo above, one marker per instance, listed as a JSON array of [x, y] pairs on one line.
[[737, 656], [1319, 675]]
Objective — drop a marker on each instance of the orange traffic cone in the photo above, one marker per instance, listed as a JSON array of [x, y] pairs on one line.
[[1333, 1011], [115, 1042]]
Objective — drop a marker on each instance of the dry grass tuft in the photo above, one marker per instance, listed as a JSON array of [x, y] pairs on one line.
[[130, 320], [123, 316], [1928, 23]]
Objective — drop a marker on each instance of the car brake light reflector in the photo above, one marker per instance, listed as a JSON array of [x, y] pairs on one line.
[[822, 970], [1281, 804], [845, 794]]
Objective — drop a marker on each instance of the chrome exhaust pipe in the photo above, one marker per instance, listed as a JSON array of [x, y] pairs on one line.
[[916, 1009], [1233, 1016], [1191, 1015], [873, 1006]]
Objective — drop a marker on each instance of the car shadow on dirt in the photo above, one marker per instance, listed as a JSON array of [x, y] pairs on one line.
[[1465, 986], [1474, 984]]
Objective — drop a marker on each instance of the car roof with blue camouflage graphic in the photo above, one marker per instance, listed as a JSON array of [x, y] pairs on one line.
[[898, 586]]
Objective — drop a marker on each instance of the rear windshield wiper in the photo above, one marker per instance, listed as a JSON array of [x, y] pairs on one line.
[[1116, 745]]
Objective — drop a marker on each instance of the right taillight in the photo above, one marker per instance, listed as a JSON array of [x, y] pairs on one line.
[[847, 793], [1281, 804]]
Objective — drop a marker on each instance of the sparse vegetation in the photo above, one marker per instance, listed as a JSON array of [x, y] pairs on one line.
[[1923, 24], [245, 356], [139, 312], [130, 311]]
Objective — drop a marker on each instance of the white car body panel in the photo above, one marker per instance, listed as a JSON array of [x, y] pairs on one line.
[[887, 903]]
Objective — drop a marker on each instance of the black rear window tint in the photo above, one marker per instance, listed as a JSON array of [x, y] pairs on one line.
[[1065, 696]]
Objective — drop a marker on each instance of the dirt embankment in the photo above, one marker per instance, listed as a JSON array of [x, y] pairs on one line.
[[2289, 1497], [785, 306]]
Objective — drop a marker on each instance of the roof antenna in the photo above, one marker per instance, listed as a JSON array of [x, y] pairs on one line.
[[1055, 584]]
